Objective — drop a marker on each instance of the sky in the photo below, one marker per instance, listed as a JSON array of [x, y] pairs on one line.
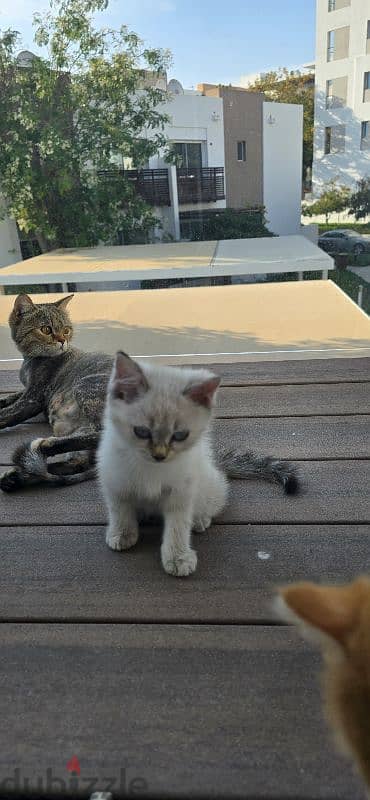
[[211, 41]]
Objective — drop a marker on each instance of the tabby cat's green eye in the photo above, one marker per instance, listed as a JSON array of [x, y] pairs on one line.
[[180, 436], [46, 329], [142, 433]]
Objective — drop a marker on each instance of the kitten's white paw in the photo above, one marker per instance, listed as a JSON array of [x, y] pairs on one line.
[[121, 540], [184, 564], [201, 524]]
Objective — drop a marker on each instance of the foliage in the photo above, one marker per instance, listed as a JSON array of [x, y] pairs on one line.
[[292, 86], [333, 199], [230, 224], [350, 283], [64, 117], [359, 204], [360, 227]]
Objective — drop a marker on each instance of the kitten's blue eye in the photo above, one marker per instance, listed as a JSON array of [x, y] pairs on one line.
[[142, 433], [180, 436]]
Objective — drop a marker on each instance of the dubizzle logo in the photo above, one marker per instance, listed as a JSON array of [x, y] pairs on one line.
[[53, 784]]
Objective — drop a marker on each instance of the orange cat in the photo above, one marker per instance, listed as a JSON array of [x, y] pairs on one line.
[[339, 619]]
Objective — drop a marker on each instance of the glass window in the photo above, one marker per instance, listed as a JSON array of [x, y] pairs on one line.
[[189, 154], [336, 92], [335, 139], [338, 43], [366, 97], [242, 151], [333, 5], [365, 135]]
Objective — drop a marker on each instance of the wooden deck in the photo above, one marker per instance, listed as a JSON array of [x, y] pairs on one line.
[[179, 688]]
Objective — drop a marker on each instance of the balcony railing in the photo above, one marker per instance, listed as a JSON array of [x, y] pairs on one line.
[[151, 184], [201, 185]]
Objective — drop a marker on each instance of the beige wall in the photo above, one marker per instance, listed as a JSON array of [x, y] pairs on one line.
[[242, 122]]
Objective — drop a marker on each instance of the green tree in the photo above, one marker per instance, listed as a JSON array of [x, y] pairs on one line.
[[333, 199], [64, 116], [292, 86], [359, 203]]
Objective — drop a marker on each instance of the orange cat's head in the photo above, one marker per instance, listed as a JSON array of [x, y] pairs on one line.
[[338, 617]]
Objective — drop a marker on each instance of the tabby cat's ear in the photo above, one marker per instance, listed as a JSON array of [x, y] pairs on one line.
[[203, 393], [63, 302], [333, 610], [128, 381], [22, 304]]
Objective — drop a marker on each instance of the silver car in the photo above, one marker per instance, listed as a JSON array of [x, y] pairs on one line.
[[344, 241]]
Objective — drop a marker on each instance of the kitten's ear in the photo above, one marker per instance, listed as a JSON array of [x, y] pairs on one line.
[[63, 302], [203, 393], [128, 381], [22, 304], [330, 609]]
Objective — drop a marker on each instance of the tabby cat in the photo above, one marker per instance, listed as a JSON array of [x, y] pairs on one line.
[[338, 617], [69, 386]]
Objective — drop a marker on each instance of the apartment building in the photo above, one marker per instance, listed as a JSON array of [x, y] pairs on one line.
[[342, 93], [263, 154], [230, 148]]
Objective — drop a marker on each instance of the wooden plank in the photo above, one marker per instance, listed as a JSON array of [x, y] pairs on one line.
[[332, 491], [294, 400], [291, 400], [194, 711], [326, 370], [70, 573], [284, 437]]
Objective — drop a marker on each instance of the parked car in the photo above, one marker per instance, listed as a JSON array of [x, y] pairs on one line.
[[344, 241]]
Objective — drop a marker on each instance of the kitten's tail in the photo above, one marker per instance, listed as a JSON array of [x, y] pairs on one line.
[[31, 466], [248, 465]]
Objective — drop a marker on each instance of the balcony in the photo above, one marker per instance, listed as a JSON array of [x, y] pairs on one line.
[[151, 184], [201, 185]]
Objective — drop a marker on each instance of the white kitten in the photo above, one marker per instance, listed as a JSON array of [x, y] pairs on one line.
[[155, 457]]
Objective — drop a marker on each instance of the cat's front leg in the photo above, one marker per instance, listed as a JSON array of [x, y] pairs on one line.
[[23, 408], [5, 402], [123, 529], [178, 558]]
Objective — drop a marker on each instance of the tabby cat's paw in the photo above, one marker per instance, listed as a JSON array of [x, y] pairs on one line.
[[180, 565], [121, 540], [11, 480], [200, 524]]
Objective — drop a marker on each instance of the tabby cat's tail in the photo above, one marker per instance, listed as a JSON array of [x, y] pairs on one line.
[[248, 465], [31, 466]]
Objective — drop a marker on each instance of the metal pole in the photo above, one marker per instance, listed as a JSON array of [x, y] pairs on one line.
[[359, 296]]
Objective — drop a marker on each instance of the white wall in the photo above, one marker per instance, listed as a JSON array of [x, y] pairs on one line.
[[282, 166], [354, 163], [195, 118], [10, 251]]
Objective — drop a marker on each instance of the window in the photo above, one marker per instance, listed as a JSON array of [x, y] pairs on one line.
[[338, 43], [335, 139], [242, 151], [188, 154], [366, 87], [333, 5], [336, 92], [365, 135]]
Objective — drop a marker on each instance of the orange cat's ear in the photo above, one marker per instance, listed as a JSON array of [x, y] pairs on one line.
[[329, 609]]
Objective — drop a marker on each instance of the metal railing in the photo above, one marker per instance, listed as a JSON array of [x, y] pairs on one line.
[[201, 185], [151, 184]]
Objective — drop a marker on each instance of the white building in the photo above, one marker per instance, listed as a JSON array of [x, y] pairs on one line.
[[195, 135], [282, 166], [342, 93]]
